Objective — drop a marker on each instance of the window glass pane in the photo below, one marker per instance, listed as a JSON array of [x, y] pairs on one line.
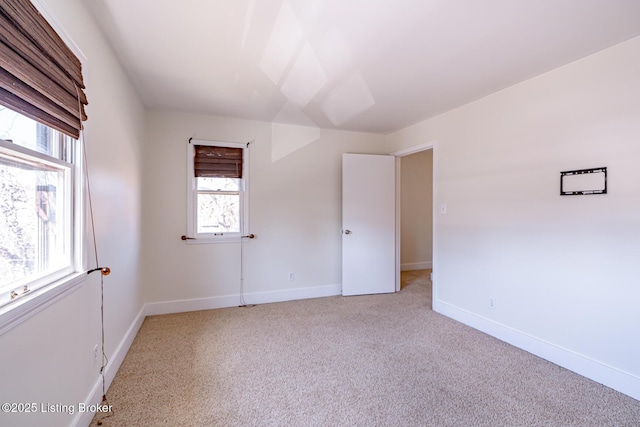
[[17, 128], [34, 219], [23, 131], [219, 184], [218, 213]]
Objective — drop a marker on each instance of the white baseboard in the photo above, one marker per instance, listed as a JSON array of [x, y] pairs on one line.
[[110, 370], [609, 376], [181, 306], [196, 304], [416, 266]]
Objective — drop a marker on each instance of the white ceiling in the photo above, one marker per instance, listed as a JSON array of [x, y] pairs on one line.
[[363, 65]]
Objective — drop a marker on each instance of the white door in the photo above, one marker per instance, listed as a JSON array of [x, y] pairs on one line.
[[368, 224]]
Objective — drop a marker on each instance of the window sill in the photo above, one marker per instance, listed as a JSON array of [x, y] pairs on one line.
[[13, 314]]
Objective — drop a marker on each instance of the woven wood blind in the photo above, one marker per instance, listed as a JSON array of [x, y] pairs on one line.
[[217, 162], [40, 76]]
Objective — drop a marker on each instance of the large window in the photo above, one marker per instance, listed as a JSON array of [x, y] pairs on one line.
[[218, 191], [42, 107], [37, 220]]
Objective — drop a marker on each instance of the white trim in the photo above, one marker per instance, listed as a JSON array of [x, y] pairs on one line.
[[214, 240], [95, 396], [414, 149], [195, 304], [410, 266], [181, 306], [398, 219], [434, 216], [619, 380], [13, 314]]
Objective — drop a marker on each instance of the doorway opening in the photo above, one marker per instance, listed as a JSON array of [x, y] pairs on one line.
[[415, 216]]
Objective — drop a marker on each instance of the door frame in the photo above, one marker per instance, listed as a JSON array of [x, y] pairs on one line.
[[431, 145]]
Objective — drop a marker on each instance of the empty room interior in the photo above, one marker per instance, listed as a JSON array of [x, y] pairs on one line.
[[262, 165]]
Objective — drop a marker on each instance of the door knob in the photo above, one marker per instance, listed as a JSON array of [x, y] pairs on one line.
[[347, 231]]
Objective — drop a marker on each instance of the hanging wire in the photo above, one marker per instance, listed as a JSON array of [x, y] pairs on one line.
[[86, 177], [104, 271], [243, 303]]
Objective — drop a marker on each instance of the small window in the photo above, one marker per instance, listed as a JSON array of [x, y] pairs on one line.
[[37, 193], [218, 184]]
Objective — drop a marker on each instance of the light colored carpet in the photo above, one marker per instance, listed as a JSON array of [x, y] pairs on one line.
[[381, 360]]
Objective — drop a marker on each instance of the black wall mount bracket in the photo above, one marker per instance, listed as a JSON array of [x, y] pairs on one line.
[[583, 182]]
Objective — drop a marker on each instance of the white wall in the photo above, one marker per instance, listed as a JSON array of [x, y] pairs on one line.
[[416, 213], [564, 270], [295, 211], [48, 358]]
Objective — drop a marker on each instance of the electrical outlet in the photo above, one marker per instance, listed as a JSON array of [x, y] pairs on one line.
[[94, 353], [292, 275], [492, 302]]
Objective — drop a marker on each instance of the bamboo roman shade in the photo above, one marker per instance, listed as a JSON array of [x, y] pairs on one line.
[[217, 162], [40, 76]]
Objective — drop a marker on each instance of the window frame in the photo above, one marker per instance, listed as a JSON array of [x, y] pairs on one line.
[[192, 192], [67, 167], [45, 290]]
